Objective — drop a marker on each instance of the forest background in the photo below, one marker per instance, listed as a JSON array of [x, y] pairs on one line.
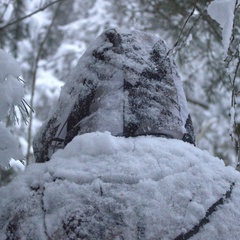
[[48, 37]]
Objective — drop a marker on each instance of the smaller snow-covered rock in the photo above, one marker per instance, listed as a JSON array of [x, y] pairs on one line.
[[143, 188]]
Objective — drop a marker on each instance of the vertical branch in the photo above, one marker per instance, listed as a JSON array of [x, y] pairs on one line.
[[238, 151], [235, 132], [237, 126], [35, 69], [234, 56]]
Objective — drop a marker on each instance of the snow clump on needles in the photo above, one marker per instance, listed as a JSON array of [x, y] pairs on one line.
[[12, 92]]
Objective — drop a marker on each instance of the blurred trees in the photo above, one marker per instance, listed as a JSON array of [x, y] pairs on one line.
[[48, 37]]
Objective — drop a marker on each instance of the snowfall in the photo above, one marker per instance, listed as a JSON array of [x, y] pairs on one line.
[[106, 187]]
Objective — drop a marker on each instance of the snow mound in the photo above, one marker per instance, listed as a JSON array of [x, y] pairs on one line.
[[106, 187]]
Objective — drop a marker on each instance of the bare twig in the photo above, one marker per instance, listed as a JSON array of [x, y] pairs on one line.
[[29, 15], [233, 105], [235, 76], [212, 27], [182, 30], [236, 132], [198, 103]]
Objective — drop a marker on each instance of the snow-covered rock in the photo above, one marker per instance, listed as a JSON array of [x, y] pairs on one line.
[[106, 187], [126, 84]]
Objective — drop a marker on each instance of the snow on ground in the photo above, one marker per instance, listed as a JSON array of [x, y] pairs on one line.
[[106, 187]]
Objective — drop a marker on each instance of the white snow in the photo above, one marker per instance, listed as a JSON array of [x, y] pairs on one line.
[[222, 11], [8, 147], [17, 165], [102, 186], [8, 66], [189, 39], [12, 90], [48, 86], [38, 22]]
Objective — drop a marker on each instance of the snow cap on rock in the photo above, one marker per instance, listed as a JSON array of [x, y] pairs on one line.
[[126, 84], [106, 187]]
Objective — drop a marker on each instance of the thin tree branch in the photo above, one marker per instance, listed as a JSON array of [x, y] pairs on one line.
[[196, 102], [183, 28], [212, 28], [29, 15], [35, 69]]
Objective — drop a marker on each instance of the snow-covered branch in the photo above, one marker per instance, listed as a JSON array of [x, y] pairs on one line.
[[12, 92], [223, 13]]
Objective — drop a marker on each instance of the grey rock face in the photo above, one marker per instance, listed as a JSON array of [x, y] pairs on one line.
[[125, 84]]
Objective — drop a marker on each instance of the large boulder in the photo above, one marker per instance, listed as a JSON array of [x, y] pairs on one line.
[[102, 187], [126, 84], [113, 177]]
